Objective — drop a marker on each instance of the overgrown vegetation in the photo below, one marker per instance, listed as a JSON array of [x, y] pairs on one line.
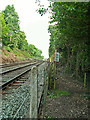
[[57, 92], [49, 118], [12, 37], [69, 36], [20, 54]]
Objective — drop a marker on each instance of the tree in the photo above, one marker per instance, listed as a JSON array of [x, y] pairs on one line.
[[72, 34], [12, 21], [12, 36], [69, 35], [3, 30]]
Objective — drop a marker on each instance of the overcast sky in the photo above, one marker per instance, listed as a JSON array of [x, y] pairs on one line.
[[34, 25]]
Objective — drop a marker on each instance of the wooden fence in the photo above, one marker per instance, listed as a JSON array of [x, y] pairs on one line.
[[38, 90]]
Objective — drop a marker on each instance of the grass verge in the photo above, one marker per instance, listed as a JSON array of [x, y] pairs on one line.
[[56, 93]]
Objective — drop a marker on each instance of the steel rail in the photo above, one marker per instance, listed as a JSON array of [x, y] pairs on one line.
[[39, 105], [16, 68], [3, 86], [13, 64]]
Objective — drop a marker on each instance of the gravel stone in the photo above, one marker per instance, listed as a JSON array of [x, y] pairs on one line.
[[15, 97]]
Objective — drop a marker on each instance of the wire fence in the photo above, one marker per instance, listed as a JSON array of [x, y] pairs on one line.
[[31, 105]]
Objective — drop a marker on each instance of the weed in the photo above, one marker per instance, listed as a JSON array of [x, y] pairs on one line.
[[55, 93], [6, 54], [51, 95], [49, 118], [8, 49], [62, 93]]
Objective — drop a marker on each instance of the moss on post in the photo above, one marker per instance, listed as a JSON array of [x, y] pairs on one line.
[[85, 80], [52, 75]]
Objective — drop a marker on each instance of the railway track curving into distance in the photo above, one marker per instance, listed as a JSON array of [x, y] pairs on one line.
[[18, 88], [16, 63], [17, 75]]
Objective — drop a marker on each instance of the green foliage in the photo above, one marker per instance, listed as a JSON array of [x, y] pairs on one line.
[[13, 38], [12, 25], [49, 118], [69, 35], [56, 93], [42, 11], [12, 19], [52, 30], [5, 54], [3, 30], [35, 51], [8, 49], [61, 93], [51, 95]]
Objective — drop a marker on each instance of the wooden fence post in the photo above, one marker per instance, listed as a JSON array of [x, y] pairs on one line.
[[33, 90], [45, 92], [45, 89], [39, 83]]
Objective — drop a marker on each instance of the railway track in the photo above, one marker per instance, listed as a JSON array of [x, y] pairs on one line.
[[16, 76], [4, 67], [17, 89], [15, 64], [11, 69]]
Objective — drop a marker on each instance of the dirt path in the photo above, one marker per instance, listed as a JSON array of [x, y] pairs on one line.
[[67, 100]]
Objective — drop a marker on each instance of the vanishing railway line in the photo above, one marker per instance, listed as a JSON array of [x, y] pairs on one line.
[[23, 87], [12, 76], [4, 67], [15, 64]]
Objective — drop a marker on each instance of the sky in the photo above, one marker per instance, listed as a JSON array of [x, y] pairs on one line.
[[33, 24]]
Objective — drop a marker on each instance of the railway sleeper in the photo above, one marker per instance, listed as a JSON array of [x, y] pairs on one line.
[[16, 84], [19, 81]]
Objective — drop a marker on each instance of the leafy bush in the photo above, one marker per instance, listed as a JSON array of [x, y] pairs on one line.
[[5, 54], [8, 49]]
